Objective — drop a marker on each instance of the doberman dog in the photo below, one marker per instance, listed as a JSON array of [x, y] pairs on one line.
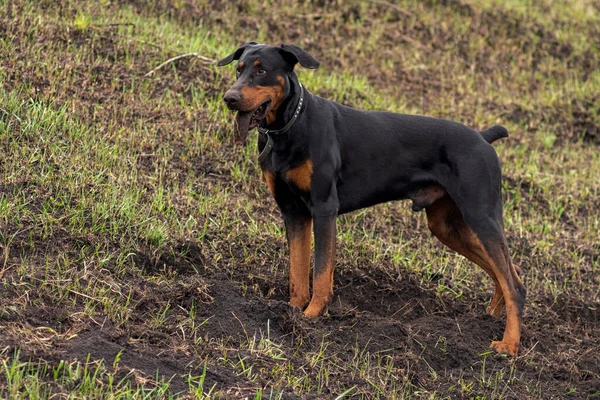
[[321, 159]]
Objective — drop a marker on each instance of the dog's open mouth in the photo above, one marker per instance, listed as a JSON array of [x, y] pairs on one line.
[[248, 120]]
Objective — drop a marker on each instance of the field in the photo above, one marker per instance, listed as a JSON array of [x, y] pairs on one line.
[[141, 255]]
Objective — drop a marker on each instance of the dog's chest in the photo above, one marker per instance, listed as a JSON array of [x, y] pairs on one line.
[[300, 176], [296, 180]]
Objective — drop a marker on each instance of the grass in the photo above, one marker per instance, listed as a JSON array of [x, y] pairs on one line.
[[123, 201], [87, 379]]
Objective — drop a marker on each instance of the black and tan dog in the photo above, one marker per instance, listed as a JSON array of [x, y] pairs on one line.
[[321, 159]]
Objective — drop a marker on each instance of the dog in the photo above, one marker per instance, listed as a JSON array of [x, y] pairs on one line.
[[321, 159]]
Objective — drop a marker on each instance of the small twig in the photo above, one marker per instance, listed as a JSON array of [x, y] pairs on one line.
[[7, 113], [210, 60], [170, 60], [316, 16], [84, 295], [117, 24], [246, 333], [528, 351]]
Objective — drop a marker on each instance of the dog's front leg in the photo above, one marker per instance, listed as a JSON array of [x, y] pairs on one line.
[[324, 229], [299, 237]]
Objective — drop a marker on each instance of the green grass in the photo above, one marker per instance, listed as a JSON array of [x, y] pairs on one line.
[[107, 177], [89, 379]]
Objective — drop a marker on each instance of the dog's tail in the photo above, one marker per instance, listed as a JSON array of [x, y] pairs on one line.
[[494, 133]]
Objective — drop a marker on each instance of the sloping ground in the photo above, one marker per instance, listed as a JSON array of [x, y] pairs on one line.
[[134, 232]]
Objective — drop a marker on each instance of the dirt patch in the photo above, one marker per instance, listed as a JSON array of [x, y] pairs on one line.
[[419, 329], [574, 121], [334, 35]]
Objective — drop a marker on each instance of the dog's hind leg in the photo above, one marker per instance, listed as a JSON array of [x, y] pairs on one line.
[[447, 223], [485, 246]]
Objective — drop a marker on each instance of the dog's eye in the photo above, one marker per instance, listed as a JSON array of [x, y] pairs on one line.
[[261, 71], [237, 72]]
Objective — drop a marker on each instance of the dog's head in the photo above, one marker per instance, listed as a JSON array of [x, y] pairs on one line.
[[262, 82]]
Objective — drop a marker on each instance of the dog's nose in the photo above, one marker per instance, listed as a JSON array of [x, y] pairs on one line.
[[232, 99]]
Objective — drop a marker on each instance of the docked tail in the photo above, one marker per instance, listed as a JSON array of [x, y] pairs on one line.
[[494, 133]]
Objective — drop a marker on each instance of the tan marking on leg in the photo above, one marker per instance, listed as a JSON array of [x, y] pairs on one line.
[[322, 291], [301, 175], [460, 238], [324, 266], [448, 225], [513, 298], [299, 237], [497, 304]]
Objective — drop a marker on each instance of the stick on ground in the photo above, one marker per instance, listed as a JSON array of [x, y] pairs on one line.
[[170, 60]]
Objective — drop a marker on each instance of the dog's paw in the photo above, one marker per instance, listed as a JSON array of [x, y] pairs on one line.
[[299, 302], [502, 347], [315, 309]]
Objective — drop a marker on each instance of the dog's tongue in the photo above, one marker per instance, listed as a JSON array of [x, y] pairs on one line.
[[242, 126]]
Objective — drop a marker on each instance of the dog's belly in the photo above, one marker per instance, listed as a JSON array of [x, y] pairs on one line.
[[365, 191], [355, 197]]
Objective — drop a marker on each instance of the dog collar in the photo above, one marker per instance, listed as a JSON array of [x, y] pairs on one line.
[[268, 132]]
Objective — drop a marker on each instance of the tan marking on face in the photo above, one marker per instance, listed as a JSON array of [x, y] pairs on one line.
[[241, 64], [276, 101], [254, 96], [256, 63], [301, 175]]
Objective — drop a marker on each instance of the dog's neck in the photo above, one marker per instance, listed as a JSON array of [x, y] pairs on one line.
[[288, 106]]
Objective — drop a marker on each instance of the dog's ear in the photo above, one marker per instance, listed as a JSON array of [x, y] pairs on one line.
[[235, 55], [298, 55]]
